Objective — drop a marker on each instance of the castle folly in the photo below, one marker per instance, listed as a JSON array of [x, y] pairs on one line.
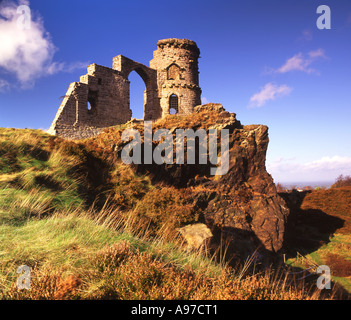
[[102, 97]]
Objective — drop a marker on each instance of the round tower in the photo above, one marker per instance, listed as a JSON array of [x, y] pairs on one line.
[[176, 62]]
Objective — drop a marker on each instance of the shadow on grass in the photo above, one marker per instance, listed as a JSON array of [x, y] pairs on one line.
[[306, 230]]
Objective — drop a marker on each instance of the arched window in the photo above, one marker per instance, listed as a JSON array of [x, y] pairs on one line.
[[173, 104], [173, 72], [92, 101]]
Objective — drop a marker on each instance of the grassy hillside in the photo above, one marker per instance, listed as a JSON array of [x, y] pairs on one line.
[[91, 228]]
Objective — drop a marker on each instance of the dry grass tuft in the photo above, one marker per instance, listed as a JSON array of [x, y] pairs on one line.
[[140, 276], [109, 258]]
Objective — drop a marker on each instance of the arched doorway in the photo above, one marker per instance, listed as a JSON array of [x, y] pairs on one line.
[[137, 91]]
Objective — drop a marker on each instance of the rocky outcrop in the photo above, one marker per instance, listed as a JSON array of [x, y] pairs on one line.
[[242, 207], [246, 210]]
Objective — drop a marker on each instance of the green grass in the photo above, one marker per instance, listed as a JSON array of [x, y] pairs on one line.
[[58, 240], [69, 244], [77, 245], [54, 240]]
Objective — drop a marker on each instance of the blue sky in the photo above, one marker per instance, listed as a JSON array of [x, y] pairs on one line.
[[264, 60]]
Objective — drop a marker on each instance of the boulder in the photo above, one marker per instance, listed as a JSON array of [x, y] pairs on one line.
[[195, 235]]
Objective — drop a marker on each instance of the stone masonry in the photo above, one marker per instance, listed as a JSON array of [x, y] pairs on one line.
[[102, 97]]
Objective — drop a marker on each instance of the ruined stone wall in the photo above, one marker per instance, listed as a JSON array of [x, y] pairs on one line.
[[152, 110], [99, 100], [176, 62], [102, 97]]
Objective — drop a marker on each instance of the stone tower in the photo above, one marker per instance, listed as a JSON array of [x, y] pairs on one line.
[[102, 97], [176, 62]]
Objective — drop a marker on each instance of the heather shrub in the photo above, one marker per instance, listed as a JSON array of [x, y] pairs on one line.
[[109, 258], [141, 276], [127, 188], [166, 208], [46, 284]]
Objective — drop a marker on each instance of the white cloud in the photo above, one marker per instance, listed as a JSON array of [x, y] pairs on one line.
[[297, 62], [326, 168], [4, 85], [270, 91], [301, 63], [319, 53], [330, 163], [26, 53], [204, 100], [57, 67], [307, 35]]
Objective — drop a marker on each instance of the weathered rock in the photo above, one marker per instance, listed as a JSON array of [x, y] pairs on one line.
[[217, 107], [248, 210], [195, 235]]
